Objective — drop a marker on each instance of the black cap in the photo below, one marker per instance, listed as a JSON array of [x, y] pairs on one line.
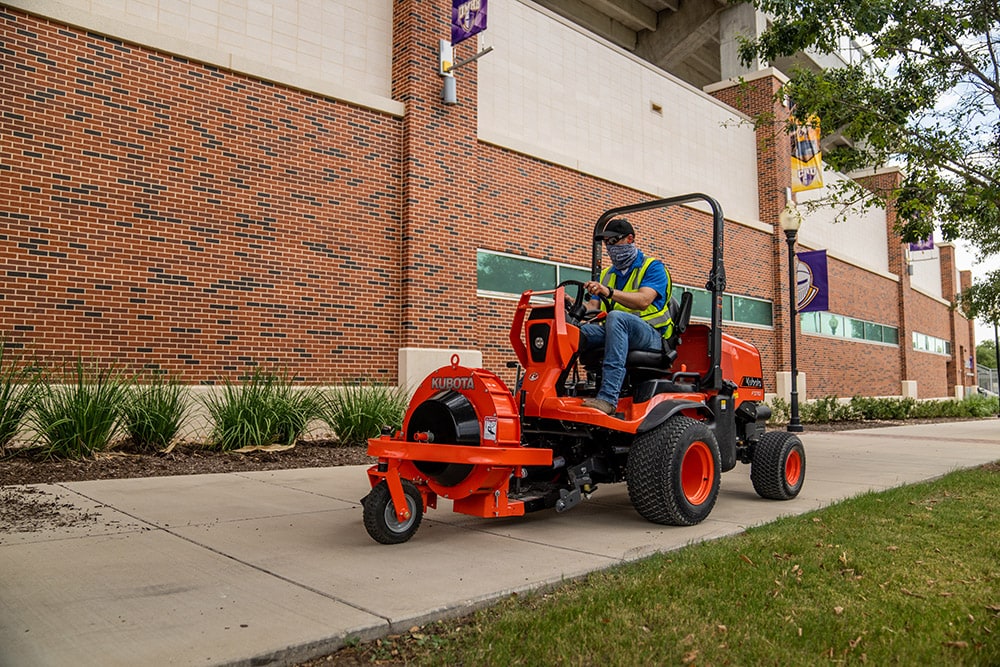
[[616, 227]]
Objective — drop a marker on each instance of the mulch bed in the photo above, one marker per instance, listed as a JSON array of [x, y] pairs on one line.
[[184, 459]]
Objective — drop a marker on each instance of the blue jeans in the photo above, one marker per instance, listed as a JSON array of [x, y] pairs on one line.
[[620, 333]]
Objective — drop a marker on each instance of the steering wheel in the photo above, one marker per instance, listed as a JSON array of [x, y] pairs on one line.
[[578, 309]]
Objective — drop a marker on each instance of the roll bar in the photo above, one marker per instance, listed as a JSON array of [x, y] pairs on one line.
[[716, 277]]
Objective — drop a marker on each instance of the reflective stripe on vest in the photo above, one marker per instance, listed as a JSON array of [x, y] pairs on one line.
[[658, 317]]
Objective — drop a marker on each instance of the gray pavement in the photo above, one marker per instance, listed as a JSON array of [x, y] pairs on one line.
[[276, 567]]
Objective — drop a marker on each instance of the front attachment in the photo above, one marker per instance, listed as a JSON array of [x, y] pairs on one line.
[[461, 440], [447, 417]]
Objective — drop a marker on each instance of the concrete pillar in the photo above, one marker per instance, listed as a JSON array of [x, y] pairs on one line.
[[783, 384], [909, 389], [416, 363], [735, 22]]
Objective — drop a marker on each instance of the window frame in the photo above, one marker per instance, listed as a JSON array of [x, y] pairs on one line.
[[729, 300]]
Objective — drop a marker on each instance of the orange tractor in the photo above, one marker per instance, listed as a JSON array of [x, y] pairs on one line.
[[687, 413]]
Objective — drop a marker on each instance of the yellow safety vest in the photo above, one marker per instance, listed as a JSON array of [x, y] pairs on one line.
[[658, 317]]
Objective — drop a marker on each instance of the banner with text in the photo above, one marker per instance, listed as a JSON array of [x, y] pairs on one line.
[[811, 285], [468, 18], [807, 158]]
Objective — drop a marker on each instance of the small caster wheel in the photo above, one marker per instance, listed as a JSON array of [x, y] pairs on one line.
[[380, 514]]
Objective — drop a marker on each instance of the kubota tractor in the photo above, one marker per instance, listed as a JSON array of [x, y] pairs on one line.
[[687, 413]]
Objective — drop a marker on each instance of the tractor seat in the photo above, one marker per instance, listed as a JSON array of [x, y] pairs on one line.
[[647, 360], [680, 313]]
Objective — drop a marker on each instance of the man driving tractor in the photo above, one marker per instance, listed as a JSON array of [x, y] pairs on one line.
[[635, 292]]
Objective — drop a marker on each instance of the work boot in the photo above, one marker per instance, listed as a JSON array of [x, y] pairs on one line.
[[599, 404]]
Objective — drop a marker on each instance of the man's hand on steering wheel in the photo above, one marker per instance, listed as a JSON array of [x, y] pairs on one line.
[[578, 310]]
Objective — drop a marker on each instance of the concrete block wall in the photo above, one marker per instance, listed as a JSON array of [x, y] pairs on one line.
[[558, 92], [860, 236], [338, 47]]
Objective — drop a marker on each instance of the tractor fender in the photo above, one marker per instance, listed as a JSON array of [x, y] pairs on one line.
[[661, 412]]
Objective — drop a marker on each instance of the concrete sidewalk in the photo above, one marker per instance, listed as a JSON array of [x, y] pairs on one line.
[[276, 567]]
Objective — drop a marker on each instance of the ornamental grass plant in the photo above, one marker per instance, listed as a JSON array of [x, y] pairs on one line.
[[78, 415], [261, 410], [19, 388], [360, 411], [153, 413]]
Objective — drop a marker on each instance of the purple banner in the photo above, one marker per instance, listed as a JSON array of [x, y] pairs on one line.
[[926, 244], [811, 286], [468, 17]]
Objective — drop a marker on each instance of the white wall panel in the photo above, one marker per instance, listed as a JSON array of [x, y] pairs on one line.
[[862, 237], [340, 48], [554, 91], [927, 272]]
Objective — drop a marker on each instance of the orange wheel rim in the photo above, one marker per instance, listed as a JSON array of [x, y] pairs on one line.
[[793, 468], [697, 472]]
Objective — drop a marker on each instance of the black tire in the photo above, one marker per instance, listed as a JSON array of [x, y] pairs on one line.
[[380, 514], [778, 467], [674, 471]]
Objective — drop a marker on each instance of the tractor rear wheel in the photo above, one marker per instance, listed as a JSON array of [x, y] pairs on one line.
[[673, 472], [380, 514], [778, 467]]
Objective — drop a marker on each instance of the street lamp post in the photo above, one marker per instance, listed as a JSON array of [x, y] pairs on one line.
[[996, 350], [790, 220]]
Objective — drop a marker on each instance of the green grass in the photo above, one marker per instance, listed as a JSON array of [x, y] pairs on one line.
[[910, 576], [263, 409]]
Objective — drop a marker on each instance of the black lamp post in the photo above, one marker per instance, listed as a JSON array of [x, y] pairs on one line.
[[996, 349], [790, 220]]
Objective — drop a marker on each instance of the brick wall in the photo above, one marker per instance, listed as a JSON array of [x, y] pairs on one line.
[[844, 367], [536, 209], [928, 316], [171, 216]]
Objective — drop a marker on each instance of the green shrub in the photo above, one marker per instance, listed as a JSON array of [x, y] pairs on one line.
[[19, 388], [264, 409], [819, 411], [79, 416], [152, 414], [978, 405], [781, 411], [883, 408], [358, 412], [971, 406]]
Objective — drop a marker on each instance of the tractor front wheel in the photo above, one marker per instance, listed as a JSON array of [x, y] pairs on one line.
[[380, 514], [778, 467], [674, 471]]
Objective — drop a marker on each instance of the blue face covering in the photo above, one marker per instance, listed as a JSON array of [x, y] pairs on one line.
[[622, 255]]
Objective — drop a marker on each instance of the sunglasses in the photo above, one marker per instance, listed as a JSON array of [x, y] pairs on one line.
[[613, 240]]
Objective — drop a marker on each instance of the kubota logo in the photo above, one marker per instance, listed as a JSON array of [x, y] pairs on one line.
[[452, 383], [752, 382]]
